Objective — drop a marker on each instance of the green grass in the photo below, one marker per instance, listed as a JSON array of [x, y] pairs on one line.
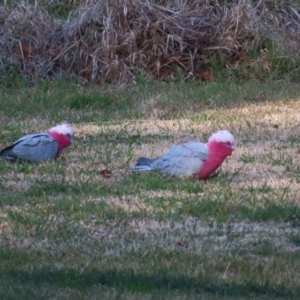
[[65, 100], [68, 232]]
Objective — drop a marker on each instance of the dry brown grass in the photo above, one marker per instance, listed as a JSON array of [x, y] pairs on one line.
[[115, 41]]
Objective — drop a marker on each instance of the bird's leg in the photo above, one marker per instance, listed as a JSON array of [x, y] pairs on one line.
[[192, 177], [216, 174]]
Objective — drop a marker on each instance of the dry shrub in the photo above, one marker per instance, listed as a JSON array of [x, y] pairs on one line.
[[116, 41]]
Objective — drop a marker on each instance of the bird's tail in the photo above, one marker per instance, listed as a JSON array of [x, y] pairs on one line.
[[6, 155], [3, 153], [143, 164]]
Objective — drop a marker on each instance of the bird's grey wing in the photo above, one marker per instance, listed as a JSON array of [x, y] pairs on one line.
[[32, 147], [184, 160]]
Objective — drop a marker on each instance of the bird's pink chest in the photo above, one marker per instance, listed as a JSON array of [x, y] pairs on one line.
[[217, 154], [62, 141]]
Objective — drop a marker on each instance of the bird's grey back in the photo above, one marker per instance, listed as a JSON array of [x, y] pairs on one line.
[[183, 161], [32, 147]]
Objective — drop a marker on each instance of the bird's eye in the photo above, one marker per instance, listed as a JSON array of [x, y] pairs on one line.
[[68, 136], [228, 144]]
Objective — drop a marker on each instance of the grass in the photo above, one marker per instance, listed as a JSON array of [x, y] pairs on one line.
[[113, 42], [68, 231]]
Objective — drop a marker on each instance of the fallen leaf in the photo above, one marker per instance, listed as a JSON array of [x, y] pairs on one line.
[[106, 173], [26, 50]]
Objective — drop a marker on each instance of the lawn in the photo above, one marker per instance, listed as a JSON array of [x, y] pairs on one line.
[[85, 227]]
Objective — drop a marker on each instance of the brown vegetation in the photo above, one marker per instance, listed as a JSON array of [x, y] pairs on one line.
[[116, 41]]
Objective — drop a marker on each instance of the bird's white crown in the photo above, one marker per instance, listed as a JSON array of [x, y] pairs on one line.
[[64, 129], [223, 136]]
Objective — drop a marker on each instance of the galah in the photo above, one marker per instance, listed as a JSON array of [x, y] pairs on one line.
[[193, 159], [36, 147]]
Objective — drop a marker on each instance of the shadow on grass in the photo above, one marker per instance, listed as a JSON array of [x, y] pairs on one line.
[[140, 282]]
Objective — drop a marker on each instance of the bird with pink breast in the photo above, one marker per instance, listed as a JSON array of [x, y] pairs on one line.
[[193, 159], [36, 147]]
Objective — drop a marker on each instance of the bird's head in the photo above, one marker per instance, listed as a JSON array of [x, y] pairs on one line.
[[64, 129], [224, 138]]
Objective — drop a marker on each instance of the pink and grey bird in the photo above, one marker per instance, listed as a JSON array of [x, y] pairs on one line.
[[193, 159], [36, 147]]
